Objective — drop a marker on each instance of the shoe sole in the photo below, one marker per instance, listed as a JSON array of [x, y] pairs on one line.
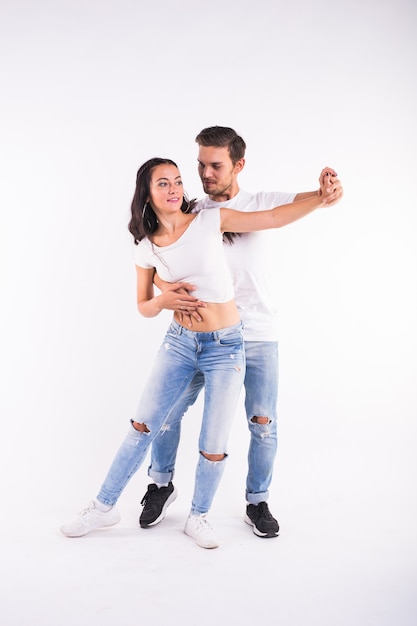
[[257, 532], [201, 545], [159, 519], [83, 533]]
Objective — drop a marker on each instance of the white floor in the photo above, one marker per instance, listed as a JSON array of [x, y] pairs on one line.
[[316, 572], [346, 554]]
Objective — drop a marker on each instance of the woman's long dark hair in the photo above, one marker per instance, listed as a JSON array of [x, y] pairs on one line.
[[144, 221]]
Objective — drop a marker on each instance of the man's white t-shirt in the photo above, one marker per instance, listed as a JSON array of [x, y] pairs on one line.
[[249, 258]]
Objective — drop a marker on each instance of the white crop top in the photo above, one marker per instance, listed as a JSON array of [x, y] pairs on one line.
[[197, 257]]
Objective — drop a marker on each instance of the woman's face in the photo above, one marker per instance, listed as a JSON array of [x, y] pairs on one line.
[[165, 189]]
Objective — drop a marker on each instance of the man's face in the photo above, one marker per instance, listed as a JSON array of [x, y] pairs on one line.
[[218, 173]]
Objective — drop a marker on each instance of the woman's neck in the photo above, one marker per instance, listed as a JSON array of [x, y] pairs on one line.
[[170, 228]]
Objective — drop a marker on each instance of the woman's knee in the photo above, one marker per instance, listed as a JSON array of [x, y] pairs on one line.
[[213, 457], [142, 428]]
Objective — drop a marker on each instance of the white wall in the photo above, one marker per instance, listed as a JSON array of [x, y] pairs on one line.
[[92, 89]]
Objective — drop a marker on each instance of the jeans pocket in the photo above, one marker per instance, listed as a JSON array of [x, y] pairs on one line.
[[172, 331], [230, 337]]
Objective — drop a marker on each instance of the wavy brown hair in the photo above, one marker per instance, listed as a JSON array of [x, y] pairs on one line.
[[144, 221]]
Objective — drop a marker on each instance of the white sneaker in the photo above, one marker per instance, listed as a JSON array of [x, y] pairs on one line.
[[199, 529], [89, 519]]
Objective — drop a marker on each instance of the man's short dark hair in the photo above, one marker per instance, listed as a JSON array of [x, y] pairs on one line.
[[220, 137]]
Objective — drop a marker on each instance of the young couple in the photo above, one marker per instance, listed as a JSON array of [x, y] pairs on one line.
[[222, 334]]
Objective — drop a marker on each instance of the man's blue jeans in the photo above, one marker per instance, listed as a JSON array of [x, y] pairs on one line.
[[219, 358], [261, 387]]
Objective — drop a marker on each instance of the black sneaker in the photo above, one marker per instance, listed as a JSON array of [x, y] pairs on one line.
[[259, 517], [155, 503]]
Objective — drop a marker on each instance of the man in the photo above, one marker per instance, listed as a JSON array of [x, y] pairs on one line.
[[220, 160]]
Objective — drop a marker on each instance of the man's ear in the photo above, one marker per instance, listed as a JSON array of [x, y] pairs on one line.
[[239, 165]]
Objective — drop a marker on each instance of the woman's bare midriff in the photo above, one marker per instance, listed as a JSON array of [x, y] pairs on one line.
[[214, 317]]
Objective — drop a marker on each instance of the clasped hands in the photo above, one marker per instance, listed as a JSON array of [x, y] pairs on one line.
[[330, 187]]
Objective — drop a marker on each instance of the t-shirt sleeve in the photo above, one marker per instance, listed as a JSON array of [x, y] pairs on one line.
[[212, 218], [270, 199], [141, 255]]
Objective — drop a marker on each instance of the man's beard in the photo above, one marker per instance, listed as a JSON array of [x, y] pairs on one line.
[[216, 191]]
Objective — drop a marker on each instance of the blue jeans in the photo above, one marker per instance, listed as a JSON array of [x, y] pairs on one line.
[[219, 358], [261, 387]]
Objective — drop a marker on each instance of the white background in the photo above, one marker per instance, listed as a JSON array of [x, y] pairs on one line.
[[90, 90]]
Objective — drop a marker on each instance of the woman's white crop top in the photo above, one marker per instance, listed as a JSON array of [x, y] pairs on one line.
[[197, 257]]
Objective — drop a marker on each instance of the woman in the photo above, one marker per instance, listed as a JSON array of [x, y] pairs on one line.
[[186, 247]]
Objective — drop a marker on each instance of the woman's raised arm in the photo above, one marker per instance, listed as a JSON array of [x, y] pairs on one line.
[[241, 222]]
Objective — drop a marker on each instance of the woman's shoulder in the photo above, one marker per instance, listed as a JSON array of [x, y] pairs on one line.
[[143, 244], [209, 219], [209, 213], [141, 251]]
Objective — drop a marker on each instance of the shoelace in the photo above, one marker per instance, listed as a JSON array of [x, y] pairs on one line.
[[151, 489], [202, 523], [264, 510], [87, 511]]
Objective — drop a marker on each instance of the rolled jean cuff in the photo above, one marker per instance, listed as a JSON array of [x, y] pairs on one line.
[[160, 477], [256, 498]]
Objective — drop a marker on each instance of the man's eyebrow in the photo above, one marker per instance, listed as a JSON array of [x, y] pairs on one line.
[[213, 163]]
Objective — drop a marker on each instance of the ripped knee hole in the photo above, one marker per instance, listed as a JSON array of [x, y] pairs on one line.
[[142, 428], [212, 457], [260, 419]]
